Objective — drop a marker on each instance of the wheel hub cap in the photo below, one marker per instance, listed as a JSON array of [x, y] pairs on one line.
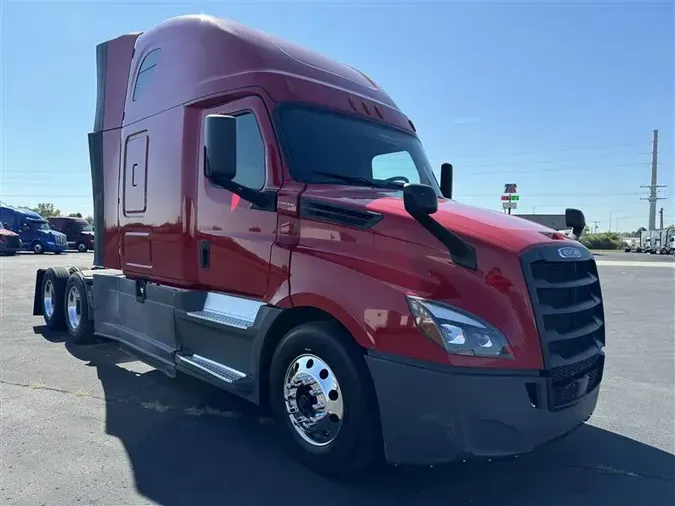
[[48, 298], [313, 400], [74, 308]]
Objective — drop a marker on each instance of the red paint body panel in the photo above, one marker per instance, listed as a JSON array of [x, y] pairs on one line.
[[378, 267], [361, 277]]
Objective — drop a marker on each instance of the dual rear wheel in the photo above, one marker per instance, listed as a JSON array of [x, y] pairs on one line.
[[65, 304]]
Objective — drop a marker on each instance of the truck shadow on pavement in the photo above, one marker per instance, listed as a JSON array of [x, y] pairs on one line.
[[192, 444]]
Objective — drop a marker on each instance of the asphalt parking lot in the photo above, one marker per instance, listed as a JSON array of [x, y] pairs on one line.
[[90, 425]]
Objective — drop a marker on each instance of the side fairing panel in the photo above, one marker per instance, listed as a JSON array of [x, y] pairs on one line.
[[113, 60]]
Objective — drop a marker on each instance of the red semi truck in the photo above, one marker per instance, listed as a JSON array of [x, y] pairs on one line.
[[267, 221]]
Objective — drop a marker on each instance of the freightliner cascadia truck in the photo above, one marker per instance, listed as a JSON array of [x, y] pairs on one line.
[[267, 221]]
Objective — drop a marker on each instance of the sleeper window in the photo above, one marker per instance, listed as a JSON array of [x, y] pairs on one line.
[[146, 71]]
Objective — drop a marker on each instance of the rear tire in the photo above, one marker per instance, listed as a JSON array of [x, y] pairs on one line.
[[79, 268], [53, 290], [329, 359], [76, 311]]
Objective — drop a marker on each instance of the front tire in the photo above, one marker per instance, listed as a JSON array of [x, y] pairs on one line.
[[81, 247], [322, 398], [76, 311], [38, 248]]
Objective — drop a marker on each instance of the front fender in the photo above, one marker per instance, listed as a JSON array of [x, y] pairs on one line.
[[354, 292]]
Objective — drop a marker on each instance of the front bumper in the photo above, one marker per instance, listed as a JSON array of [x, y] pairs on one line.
[[434, 415], [6, 248]]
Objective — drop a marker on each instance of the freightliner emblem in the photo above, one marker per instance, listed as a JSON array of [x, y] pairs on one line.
[[569, 253]]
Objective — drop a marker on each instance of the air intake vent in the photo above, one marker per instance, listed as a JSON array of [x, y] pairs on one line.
[[332, 213]]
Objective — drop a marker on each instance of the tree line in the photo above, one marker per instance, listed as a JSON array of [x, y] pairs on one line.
[[48, 210]]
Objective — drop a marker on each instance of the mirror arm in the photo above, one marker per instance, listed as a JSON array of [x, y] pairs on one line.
[[461, 252], [261, 199]]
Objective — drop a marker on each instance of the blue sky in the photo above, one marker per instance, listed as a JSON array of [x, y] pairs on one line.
[[560, 98]]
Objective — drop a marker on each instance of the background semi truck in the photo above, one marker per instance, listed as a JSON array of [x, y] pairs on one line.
[[33, 229], [667, 241], [267, 221], [79, 233], [10, 243], [660, 241]]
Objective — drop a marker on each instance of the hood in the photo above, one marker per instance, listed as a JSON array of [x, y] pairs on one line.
[[53, 233], [7, 233], [501, 230], [477, 225]]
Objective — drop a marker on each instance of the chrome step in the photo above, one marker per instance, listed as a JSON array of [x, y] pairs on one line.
[[220, 371], [218, 317]]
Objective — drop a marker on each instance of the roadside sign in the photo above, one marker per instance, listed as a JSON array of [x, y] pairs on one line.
[[511, 197], [510, 188], [509, 205]]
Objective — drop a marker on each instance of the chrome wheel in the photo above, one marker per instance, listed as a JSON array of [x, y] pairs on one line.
[[37, 248], [73, 307], [313, 400], [48, 299], [82, 248]]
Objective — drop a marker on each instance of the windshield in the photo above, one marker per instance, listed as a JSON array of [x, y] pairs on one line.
[[326, 147], [39, 225], [82, 227]]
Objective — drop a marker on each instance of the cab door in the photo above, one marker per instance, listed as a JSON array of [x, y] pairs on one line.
[[234, 238]]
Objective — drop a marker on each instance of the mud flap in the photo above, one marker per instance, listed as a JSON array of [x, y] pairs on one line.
[[37, 302]]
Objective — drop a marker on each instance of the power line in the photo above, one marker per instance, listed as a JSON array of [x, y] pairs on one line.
[[559, 150], [540, 162], [505, 170], [519, 172]]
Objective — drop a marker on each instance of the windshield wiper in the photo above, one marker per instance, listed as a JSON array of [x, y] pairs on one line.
[[361, 181]]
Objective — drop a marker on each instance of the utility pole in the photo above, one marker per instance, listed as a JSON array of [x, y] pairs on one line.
[[595, 225], [661, 219], [653, 187]]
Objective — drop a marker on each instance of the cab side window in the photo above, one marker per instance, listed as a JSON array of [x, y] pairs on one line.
[[7, 218], [250, 153], [145, 72], [399, 163]]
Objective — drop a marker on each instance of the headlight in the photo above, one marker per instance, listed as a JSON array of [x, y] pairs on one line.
[[458, 332]]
